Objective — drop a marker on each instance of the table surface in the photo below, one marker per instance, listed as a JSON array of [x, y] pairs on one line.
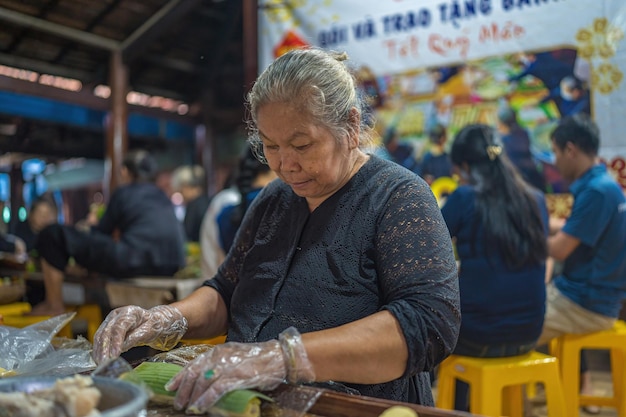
[[333, 404]]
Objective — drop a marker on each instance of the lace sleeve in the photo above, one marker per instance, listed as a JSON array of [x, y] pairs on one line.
[[418, 275]]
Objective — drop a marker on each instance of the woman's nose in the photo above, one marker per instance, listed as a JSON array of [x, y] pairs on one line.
[[288, 160]]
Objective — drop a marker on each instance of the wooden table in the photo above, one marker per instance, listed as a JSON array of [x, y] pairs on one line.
[[333, 404]]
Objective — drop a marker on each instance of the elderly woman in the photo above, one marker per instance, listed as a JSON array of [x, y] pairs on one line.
[[349, 249]]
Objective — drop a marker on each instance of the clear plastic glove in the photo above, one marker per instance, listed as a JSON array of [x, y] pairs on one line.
[[239, 366], [160, 327]]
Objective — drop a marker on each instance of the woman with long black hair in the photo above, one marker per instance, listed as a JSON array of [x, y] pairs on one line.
[[500, 224]]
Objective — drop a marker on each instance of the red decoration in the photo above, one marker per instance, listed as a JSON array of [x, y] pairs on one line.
[[290, 41]]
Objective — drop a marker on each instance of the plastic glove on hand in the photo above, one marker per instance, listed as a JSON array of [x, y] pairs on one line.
[[240, 366], [160, 327]]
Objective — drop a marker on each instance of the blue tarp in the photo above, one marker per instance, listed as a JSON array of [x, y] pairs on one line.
[[38, 108]]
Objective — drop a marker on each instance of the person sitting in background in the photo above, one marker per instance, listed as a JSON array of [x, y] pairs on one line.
[[436, 161], [212, 253], [500, 224], [516, 143], [43, 212], [222, 219], [587, 295], [401, 153], [138, 234], [325, 281], [252, 176], [190, 181]]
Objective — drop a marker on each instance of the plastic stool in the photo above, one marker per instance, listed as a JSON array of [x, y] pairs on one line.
[[14, 315], [568, 348], [15, 309], [22, 321], [490, 378]]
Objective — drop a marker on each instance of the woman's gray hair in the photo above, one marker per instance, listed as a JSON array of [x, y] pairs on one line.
[[317, 82]]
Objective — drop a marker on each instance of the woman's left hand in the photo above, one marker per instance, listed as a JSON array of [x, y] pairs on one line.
[[239, 366], [225, 368]]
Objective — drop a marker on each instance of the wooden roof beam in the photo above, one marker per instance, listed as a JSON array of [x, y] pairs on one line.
[[135, 44], [43, 67], [75, 35]]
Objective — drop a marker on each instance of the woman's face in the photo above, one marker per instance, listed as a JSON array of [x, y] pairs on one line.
[[305, 154]]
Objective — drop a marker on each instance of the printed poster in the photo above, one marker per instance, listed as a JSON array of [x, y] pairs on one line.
[[429, 62]]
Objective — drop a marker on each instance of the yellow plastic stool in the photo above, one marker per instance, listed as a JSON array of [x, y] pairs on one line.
[[92, 314], [22, 321], [15, 309], [497, 382], [568, 348]]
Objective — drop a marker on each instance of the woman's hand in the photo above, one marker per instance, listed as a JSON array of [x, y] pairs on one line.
[[238, 366], [160, 327]]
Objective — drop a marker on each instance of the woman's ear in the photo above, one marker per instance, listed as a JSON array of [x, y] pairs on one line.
[[355, 128]]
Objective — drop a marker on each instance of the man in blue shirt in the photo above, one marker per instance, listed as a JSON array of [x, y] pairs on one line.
[[588, 295]]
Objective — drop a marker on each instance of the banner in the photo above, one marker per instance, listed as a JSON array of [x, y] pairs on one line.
[[433, 62]]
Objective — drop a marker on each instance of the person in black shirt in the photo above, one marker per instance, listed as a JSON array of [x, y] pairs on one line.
[[138, 234]]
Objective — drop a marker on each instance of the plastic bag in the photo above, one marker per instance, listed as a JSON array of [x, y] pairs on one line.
[[30, 351]]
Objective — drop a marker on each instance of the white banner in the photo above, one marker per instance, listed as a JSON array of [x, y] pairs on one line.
[[457, 62]]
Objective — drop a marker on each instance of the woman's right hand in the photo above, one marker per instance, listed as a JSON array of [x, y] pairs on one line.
[[160, 327]]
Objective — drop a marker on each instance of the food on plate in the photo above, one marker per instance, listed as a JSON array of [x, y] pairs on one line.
[[69, 397]]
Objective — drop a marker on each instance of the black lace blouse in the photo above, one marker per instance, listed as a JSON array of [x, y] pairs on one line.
[[380, 242]]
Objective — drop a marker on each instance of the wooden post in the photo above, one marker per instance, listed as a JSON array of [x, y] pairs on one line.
[[250, 42], [117, 124]]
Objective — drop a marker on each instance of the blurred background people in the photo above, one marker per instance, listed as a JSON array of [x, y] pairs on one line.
[[253, 176], [399, 151], [436, 161], [43, 212], [517, 146], [190, 182], [500, 225], [587, 295], [138, 234], [227, 208]]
